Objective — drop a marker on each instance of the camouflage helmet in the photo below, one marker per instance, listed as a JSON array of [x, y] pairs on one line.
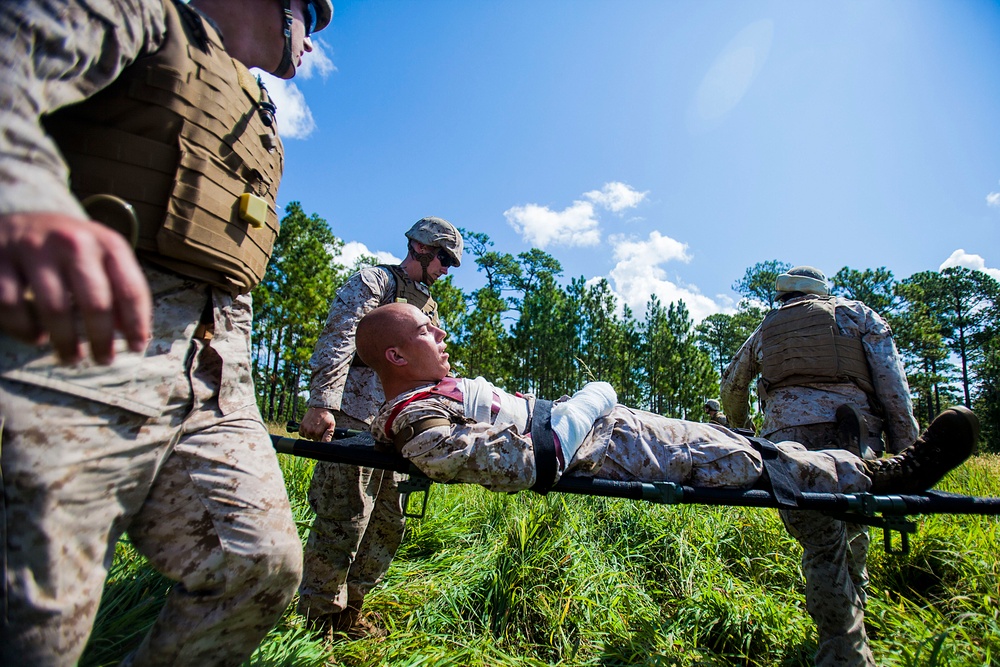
[[438, 233], [805, 279], [713, 405], [324, 13]]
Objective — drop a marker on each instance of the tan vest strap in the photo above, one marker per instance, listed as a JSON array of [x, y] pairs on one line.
[[407, 433]]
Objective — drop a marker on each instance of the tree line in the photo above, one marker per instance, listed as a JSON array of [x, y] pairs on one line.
[[527, 329]]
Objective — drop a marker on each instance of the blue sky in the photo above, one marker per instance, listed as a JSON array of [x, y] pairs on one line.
[[664, 145]]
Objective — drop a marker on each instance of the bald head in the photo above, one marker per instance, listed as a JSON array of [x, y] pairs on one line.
[[400, 344], [381, 329]]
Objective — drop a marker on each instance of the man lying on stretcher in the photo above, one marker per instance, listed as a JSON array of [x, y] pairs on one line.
[[460, 430]]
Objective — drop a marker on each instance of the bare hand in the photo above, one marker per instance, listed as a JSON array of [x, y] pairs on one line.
[[318, 424], [58, 270]]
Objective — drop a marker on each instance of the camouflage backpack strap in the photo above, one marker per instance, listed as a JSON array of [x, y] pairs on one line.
[[544, 445]]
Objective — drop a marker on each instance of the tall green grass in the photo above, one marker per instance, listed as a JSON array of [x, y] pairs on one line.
[[497, 579]]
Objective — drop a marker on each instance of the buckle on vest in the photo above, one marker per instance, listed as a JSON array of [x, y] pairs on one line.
[[253, 209]]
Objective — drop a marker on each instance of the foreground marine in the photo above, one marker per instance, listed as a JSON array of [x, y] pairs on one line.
[[126, 401]]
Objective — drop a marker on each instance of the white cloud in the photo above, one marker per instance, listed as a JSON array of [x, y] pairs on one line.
[[316, 62], [993, 199], [576, 225], [540, 226], [616, 196], [354, 250], [295, 119], [639, 274], [969, 261]]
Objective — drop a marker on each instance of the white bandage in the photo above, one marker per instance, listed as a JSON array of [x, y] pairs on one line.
[[477, 398], [573, 419]]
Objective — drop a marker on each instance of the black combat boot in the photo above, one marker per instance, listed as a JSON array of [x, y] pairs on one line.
[[949, 440]]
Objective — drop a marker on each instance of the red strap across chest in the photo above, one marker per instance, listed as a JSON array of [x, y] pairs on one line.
[[447, 387]]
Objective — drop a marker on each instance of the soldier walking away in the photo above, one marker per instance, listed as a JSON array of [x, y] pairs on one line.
[[830, 378], [126, 400], [359, 517]]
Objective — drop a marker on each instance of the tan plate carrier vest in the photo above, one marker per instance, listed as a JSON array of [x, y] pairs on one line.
[[180, 136], [802, 345], [408, 292]]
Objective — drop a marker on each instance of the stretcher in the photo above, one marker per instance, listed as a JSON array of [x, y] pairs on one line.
[[888, 512]]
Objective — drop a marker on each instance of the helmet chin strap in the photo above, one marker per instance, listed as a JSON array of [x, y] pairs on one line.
[[425, 259], [286, 56]]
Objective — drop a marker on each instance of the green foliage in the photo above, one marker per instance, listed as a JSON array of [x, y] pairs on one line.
[[757, 283], [720, 335], [544, 341], [987, 400], [953, 315], [525, 331], [874, 288], [133, 595], [679, 374], [291, 304]]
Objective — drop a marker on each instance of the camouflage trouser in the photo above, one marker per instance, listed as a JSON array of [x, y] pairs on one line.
[[358, 527], [199, 492], [833, 562]]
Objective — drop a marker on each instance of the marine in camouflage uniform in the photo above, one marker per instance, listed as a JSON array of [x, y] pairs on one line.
[[715, 414], [470, 431], [160, 437], [625, 444], [803, 408], [359, 519]]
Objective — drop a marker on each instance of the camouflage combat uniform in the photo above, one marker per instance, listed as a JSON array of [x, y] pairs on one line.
[[625, 445], [834, 553], [719, 418], [167, 444], [359, 518]]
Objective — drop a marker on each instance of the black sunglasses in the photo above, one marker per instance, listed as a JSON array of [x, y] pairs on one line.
[[310, 22], [445, 259]]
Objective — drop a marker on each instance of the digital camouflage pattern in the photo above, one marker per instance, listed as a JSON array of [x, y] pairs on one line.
[[356, 532], [335, 384], [834, 556], [167, 444], [359, 520], [626, 445], [76, 38], [189, 472]]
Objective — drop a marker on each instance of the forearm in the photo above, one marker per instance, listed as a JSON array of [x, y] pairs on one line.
[[893, 392], [734, 388], [889, 380], [331, 362]]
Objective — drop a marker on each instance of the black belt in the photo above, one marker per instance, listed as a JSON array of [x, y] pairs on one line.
[[544, 446]]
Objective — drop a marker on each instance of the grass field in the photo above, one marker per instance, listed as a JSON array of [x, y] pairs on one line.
[[496, 579]]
